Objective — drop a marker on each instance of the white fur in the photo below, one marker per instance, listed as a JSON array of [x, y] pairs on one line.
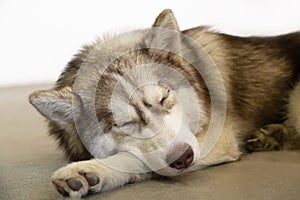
[[294, 108], [107, 170]]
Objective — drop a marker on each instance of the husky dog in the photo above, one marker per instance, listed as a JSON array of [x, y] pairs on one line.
[[150, 102]]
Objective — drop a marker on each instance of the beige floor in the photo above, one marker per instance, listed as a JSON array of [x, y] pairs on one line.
[[28, 157]]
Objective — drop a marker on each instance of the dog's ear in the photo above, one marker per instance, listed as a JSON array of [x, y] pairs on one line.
[[55, 104], [165, 33], [166, 19]]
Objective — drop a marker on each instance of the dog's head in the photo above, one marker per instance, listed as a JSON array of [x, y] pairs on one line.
[[134, 93]]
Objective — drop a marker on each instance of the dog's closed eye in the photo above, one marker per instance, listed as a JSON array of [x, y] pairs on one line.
[[164, 97], [127, 123], [168, 100]]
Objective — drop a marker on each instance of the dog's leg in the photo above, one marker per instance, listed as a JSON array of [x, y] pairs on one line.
[[226, 149], [80, 178], [270, 137], [280, 136]]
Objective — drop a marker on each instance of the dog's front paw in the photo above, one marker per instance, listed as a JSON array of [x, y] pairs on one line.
[[268, 138], [80, 178]]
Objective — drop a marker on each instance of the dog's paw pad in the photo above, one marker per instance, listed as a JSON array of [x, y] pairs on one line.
[[74, 184], [79, 179], [91, 178], [62, 191]]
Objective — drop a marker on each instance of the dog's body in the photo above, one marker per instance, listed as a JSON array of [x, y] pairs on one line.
[[261, 79]]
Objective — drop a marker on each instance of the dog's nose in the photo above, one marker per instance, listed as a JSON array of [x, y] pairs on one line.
[[184, 160]]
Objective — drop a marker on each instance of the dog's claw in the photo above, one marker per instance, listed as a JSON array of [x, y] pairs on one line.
[[252, 140]]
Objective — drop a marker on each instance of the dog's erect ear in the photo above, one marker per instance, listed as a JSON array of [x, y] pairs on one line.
[[165, 33], [55, 104], [166, 19]]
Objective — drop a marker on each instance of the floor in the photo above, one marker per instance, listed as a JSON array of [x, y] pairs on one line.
[[28, 157]]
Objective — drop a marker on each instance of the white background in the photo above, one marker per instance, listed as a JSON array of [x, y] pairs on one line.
[[38, 38]]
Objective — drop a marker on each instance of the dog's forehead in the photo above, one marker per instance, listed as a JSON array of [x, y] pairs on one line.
[[130, 98]]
